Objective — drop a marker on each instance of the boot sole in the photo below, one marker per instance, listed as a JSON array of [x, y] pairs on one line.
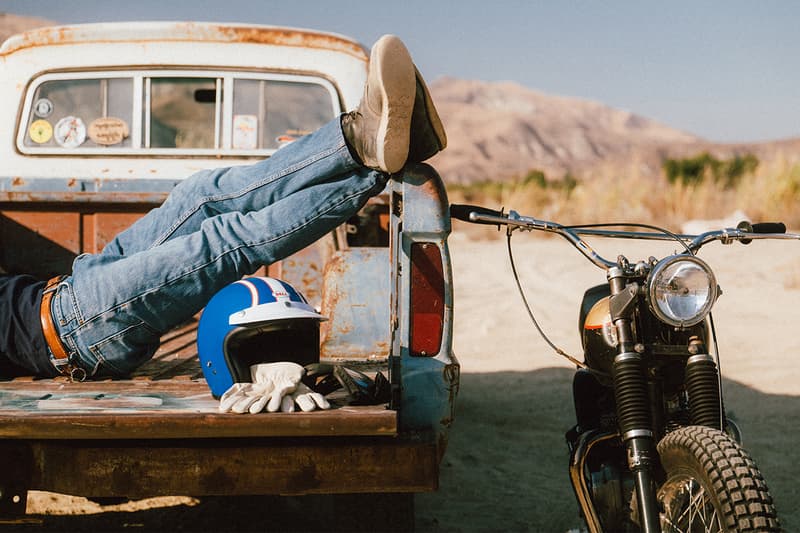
[[433, 116], [398, 88]]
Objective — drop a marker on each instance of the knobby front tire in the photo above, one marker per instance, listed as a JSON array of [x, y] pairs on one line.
[[712, 484]]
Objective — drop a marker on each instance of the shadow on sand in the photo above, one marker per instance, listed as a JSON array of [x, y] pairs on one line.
[[504, 470], [506, 465]]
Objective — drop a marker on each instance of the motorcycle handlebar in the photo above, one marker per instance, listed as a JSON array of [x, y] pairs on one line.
[[462, 212], [744, 233]]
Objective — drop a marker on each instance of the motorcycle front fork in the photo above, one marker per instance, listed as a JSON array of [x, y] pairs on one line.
[[633, 403], [630, 389]]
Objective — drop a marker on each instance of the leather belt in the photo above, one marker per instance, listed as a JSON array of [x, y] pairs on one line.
[[62, 360]]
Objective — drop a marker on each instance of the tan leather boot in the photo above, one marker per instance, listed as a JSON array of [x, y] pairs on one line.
[[378, 130], [427, 131]]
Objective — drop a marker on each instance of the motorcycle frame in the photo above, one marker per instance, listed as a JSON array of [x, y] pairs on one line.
[[577, 466]]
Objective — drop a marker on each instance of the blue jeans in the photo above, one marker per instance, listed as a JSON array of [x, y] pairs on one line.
[[215, 227]]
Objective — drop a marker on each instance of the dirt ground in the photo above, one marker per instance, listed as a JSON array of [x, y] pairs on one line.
[[505, 469]]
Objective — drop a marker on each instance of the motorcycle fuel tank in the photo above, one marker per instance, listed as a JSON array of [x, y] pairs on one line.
[[599, 336]]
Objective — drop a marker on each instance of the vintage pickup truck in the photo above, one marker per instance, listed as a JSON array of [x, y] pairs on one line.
[[100, 121]]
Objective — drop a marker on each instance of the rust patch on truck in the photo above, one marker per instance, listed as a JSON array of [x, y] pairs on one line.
[[291, 37], [183, 31], [37, 37], [452, 376], [330, 302]]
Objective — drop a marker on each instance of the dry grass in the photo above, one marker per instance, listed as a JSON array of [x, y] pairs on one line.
[[771, 194]]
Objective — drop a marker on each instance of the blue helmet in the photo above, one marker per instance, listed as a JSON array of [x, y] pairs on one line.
[[255, 320]]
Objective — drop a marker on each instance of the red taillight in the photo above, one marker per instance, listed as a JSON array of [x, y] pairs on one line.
[[427, 299]]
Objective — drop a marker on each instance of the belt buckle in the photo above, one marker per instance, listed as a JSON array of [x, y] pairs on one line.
[[75, 373], [72, 372], [68, 369]]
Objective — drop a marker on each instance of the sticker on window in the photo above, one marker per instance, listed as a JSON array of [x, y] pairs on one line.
[[70, 132], [108, 131], [43, 107], [40, 131], [245, 132]]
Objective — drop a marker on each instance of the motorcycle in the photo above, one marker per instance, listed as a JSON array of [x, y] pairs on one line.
[[652, 449]]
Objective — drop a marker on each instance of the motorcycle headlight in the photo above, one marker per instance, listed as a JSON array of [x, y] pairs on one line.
[[681, 290]]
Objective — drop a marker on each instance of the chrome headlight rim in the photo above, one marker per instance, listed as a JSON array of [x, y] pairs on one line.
[[658, 270]]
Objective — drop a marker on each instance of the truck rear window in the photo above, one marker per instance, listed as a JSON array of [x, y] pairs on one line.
[[172, 112]]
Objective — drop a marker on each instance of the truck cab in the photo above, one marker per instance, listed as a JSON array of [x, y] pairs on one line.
[[99, 123]]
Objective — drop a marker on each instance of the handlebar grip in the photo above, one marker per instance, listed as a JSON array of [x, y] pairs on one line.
[[769, 227], [760, 227], [462, 211]]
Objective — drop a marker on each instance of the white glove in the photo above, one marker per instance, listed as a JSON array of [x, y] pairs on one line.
[[274, 385], [241, 397], [306, 399], [271, 382]]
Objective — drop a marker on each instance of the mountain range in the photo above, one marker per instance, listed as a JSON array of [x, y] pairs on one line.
[[499, 131]]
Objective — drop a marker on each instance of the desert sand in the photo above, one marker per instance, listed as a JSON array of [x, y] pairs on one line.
[[505, 468]]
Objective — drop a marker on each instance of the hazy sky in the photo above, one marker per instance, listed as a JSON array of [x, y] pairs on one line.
[[724, 70]]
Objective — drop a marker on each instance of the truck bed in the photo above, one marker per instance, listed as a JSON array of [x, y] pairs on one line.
[[165, 399]]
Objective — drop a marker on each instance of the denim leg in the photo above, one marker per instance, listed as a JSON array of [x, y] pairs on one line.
[[305, 162], [114, 308]]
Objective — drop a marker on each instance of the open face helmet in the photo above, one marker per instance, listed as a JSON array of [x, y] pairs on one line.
[[255, 320]]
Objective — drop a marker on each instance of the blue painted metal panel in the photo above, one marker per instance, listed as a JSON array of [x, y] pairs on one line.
[[429, 385], [355, 281], [86, 190]]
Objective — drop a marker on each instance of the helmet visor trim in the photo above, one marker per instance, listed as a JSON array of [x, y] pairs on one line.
[[269, 312]]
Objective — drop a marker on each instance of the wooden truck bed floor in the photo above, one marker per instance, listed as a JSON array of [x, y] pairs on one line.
[[167, 409], [165, 399]]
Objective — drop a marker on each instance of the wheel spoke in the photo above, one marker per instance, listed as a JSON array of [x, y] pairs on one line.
[[695, 510], [702, 505]]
